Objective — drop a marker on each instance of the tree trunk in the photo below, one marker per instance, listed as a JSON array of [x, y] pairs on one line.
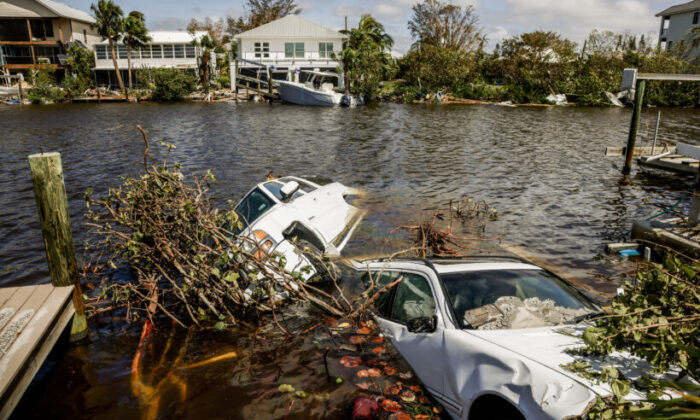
[[128, 60], [116, 69]]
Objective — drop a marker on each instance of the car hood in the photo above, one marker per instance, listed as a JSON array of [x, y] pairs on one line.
[[547, 346]]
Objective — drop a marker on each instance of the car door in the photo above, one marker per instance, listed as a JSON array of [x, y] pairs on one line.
[[413, 297]]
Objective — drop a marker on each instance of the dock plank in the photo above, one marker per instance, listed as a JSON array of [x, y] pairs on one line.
[[6, 293], [51, 310]]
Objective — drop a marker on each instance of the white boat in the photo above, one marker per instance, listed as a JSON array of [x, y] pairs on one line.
[[317, 90]]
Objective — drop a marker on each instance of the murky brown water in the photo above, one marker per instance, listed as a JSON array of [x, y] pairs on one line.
[[542, 168]]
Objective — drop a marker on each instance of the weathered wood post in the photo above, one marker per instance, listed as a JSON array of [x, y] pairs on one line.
[[19, 86], [51, 202], [259, 90], [269, 82], [632, 139], [235, 79]]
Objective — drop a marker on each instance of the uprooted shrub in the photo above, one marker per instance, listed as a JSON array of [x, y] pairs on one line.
[[188, 263]]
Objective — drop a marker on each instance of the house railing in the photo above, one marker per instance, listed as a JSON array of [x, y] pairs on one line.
[[274, 57]]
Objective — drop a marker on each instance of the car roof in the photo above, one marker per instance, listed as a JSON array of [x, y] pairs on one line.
[[477, 263], [483, 266]]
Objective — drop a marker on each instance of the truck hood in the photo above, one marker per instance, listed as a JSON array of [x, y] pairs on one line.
[[547, 346]]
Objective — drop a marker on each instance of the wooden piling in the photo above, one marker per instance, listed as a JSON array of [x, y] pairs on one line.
[[52, 204], [632, 139], [259, 91], [269, 82]]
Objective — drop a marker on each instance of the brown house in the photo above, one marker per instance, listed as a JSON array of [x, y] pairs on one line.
[[34, 32]]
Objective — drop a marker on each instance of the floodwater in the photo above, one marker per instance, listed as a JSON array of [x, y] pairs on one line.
[[542, 168]]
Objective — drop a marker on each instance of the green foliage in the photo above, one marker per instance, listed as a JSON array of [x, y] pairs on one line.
[[224, 81], [537, 64], [365, 57], [426, 66], [168, 84], [658, 319], [44, 90], [79, 76]]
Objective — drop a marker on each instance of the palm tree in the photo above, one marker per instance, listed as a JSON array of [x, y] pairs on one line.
[[109, 24], [135, 36], [365, 55]]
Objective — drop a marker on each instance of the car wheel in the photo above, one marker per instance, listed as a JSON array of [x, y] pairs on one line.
[[492, 407]]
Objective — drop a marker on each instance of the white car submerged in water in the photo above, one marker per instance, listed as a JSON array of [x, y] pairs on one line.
[[279, 212], [482, 335]]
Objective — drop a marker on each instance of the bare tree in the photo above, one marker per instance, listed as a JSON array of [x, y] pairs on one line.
[[443, 24], [260, 12]]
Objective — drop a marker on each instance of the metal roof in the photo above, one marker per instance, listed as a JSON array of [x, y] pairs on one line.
[[691, 6], [10, 8], [171, 37], [291, 26]]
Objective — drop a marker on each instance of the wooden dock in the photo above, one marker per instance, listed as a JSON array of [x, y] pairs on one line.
[[31, 320]]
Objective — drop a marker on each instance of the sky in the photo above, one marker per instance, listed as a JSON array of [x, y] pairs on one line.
[[499, 19]]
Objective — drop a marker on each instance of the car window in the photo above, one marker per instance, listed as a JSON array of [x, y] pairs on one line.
[[383, 303], [253, 205], [303, 186], [414, 299], [530, 289], [275, 188]]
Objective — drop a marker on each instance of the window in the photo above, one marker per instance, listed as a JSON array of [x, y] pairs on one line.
[[253, 206], [167, 51], [475, 289], [179, 50], [85, 36], [190, 51], [101, 52], [294, 49], [696, 17], [135, 53], [383, 303], [413, 299], [13, 30], [121, 52], [325, 49], [262, 49], [146, 52], [157, 51], [41, 28]]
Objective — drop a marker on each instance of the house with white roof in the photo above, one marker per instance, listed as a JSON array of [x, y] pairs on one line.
[[676, 23], [39, 31], [287, 46], [167, 49]]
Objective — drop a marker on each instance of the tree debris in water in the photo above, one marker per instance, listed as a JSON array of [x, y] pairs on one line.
[[434, 239], [189, 265], [510, 312]]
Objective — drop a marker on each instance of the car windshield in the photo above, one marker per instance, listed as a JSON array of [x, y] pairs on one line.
[[504, 299], [275, 187], [253, 205]]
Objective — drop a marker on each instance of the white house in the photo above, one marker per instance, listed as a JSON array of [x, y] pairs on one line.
[[677, 21], [39, 31], [286, 46], [167, 49]]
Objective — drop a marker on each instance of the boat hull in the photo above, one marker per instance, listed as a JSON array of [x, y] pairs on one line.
[[302, 95]]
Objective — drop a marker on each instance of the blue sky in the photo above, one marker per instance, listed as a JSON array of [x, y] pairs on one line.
[[499, 18]]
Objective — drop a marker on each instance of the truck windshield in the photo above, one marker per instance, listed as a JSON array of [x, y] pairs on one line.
[[253, 205], [502, 299]]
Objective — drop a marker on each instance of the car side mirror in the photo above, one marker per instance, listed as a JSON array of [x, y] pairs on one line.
[[289, 189], [425, 324]]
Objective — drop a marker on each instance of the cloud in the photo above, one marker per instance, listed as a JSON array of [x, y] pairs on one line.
[[576, 18], [168, 24]]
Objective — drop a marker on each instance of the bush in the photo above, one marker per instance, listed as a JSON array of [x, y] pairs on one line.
[[224, 81], [42, 78], [168, 84], [79, 75]]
